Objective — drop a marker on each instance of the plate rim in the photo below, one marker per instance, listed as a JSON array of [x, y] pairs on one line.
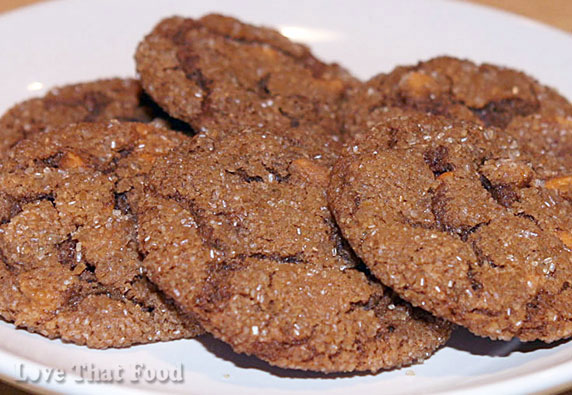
[[7, 358]]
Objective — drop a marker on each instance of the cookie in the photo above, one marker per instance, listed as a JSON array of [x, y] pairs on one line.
[[101, 100], [487, 94], [237, 230], [70, 266], [454, 218], [221, 75]]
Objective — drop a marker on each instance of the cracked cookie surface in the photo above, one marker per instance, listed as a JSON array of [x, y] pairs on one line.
[[70, 267], [219, 74], [454, 218], [101, 100], [537, 116], [237, 230], [487, 94]]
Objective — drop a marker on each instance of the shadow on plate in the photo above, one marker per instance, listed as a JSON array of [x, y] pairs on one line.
[[463, 340], [224, 351]]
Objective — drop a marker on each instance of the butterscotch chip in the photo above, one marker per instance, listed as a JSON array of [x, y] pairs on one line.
[[70, 160], [566, 238], [316, 174], [559, 183], [237, 230], [454, 217], [70, 266], [418, 85], [221, 75]]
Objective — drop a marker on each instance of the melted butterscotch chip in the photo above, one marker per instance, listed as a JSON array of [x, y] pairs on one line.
[[221, 75], [70, 266], [561, 184], [456, 219], [237, 230]]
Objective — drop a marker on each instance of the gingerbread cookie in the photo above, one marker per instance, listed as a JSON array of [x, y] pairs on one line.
[[221, 75], [454, 218], [70, 266]]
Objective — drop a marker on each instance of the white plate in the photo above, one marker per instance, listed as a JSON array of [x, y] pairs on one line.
[[71, 41]]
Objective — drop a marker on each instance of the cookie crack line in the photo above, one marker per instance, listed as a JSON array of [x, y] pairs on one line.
[[296, 258], [192, 208], [492, 106], [195, 75]]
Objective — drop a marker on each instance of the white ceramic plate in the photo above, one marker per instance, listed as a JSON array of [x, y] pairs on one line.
[[77, 40]]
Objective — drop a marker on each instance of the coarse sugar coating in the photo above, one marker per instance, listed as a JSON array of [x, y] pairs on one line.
[[549, 140], [70, 267], [488, 94], [237, 230], [220, 75], [101, 100], [537, 116], [454, 218]]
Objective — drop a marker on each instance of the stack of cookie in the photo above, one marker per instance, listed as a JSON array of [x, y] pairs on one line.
[[247, 189]]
